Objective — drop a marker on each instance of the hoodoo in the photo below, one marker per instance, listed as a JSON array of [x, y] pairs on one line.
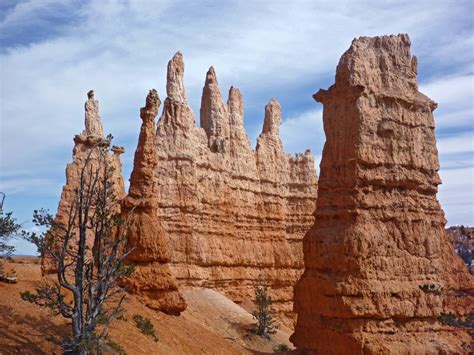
[[152, 280], [214, 115], [84, 151], [271, 159], [379, 270], [235, 216]]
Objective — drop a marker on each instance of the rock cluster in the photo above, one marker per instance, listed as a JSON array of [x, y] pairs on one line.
[[85, 152], [234, 216], [379, 269], [152, 280]]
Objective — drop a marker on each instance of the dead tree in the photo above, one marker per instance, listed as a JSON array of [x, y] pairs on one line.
[[88, 254]]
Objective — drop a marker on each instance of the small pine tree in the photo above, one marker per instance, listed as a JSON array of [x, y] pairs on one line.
[[265, 325]]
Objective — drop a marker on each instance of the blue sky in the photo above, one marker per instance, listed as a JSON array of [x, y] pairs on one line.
[[53, 51]]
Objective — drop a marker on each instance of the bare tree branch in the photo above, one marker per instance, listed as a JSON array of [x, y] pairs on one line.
[[89, 254]]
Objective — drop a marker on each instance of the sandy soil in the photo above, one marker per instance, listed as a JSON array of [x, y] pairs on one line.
[[212, 324]]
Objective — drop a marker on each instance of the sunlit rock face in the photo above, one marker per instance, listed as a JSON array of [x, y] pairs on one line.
[[152, 280], [378, 244], [85, 152], [234, 216]]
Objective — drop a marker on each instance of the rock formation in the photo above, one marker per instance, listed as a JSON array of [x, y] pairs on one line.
[[379, 270], [152, 280], [84, 151], [234, 216], [92, 122]]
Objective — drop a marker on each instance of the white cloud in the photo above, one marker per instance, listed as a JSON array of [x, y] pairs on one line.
[[19, 184], [304, 131], [463, 118], [451, 91], [26, 11], [459, 143], [456, 195], [23, 247]]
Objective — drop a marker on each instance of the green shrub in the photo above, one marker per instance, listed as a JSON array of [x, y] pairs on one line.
[[114, 347], [280, 348], [431, 288], [145, 326], [28, 296]]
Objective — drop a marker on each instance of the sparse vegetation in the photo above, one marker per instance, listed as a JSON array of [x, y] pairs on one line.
[[265, 325], [145, 326], [463, 322], [466, 321], [447, 318], [113, 347], [88, 273], [431, 288], [281, 348], [8, 229]]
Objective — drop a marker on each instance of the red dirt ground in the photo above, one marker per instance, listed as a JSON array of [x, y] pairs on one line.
[[212, 324]]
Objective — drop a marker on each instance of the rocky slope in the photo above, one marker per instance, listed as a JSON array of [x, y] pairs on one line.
[[378, 242], [211, 324], [152, 280], [85, 153], [233, 215]]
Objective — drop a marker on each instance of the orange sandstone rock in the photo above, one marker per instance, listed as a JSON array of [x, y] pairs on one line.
[[84, 152], [152, 280], [379, 238], [232, 214]]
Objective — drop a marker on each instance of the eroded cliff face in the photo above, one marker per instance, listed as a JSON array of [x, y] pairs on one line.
[[85, 152], [152, 280], [233, 216], [379, 237]]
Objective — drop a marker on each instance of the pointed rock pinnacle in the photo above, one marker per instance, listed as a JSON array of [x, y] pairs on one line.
[[92, 121], [174, 83], [272, 121], [235, 105]]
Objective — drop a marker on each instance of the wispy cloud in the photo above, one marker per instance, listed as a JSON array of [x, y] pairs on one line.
[[455, 195], [458, 143], [452, 92], [35, 186]]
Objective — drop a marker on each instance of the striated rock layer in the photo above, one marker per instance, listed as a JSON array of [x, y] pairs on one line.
[[152, 280], [85, 152], [378, 241], [235, 216]]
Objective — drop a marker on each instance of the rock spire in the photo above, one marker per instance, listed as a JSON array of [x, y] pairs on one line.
[[272, 120], [272, 161], [85, 149], [93, 123], [241, 154], [176, 111], [214, 115], [152, 279], [379, 270], [174, 83]]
